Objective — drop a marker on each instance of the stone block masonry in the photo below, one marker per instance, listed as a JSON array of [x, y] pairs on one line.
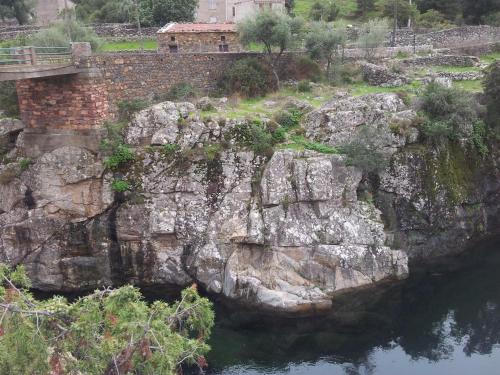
[[85, 100], [67, 102]]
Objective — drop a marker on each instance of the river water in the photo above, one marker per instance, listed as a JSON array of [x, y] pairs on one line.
[[434, 323]]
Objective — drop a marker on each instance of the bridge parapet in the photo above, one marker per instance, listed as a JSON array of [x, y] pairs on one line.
[[36, 62]]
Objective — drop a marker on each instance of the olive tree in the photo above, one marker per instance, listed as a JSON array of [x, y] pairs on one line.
[[323, 42], [276, 31], [372, 35], [110, 332]]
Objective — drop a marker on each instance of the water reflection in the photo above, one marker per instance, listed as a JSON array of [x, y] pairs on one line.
[[439, 323]]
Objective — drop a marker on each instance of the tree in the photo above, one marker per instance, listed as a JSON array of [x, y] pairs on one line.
[[277, 32], [372, 35], [433, 19], [323, 42], [62, 33], [151, 12], [322, 10], [476, 10], [21, 10], [404, 9], [492, 95], [110, 332], [365, 6], [449, 8]]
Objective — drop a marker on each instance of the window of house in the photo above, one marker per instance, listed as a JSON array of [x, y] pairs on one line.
[[212, 4], [223, 38], [223, 48], [234, 12], [173, 49]]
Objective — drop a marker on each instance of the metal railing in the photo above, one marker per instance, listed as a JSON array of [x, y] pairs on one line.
[[35, 55]]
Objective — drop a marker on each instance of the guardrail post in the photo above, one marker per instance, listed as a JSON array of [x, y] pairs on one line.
[[33, 55]]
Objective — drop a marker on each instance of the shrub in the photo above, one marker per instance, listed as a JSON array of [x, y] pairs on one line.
[[122, 155], [246, 77], [279, 135], [170, 148], [437, 131], [433, 19], [479, 137], [8, 99], [261, 141], [304, 86], [127, 108], [61, 33], [364, 153], [306, 68], [288, 119], [212, 151], [451, 106], [491, 85], [120, 186], [24, 164], [181, 92], [113, 136]]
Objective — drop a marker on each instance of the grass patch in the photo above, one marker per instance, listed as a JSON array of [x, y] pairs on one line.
[[347, 8], [299, 143], [359, 89], [113, 46], [490, 57], [472, 86], [456, 69]]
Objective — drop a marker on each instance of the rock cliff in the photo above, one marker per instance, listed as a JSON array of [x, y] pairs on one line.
[[287, 232]]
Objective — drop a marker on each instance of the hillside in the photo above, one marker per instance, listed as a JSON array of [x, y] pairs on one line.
[[347, 7]]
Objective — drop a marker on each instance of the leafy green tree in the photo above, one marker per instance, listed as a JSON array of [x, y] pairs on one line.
[[62, 33], [433, 19], [277, 32], [151, 12], [475, 11], [365, 6], [324, 10], [372, 35], [451, 9], [492, 94], [21, 10], [405, 10], [323, 42], [110, 332]]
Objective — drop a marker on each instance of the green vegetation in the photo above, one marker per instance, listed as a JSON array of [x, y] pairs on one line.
[[120, 186], [149, 13], [276, 31], [492, 95], [324, 10], [363, 152], [108, 332], [24, 164], [301, 143], [246, 77], [8, 99], [121, 155], [21, 10], [323, 42], [61, 33], [114, 46], [127, 108], [181, 91], [468, 86], [372, 35], [347, 8]]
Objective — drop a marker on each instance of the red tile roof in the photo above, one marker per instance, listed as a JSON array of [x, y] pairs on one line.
[[198, 28]]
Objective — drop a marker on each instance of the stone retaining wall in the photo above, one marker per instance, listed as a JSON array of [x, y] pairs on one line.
[[456, 37], [441, 60], [85, 100], [113, 31]]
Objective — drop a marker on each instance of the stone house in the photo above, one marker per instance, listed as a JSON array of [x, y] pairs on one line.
[[217, 11], [198, 37]]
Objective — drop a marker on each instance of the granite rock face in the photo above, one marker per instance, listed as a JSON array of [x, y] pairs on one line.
[[286, 233]]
